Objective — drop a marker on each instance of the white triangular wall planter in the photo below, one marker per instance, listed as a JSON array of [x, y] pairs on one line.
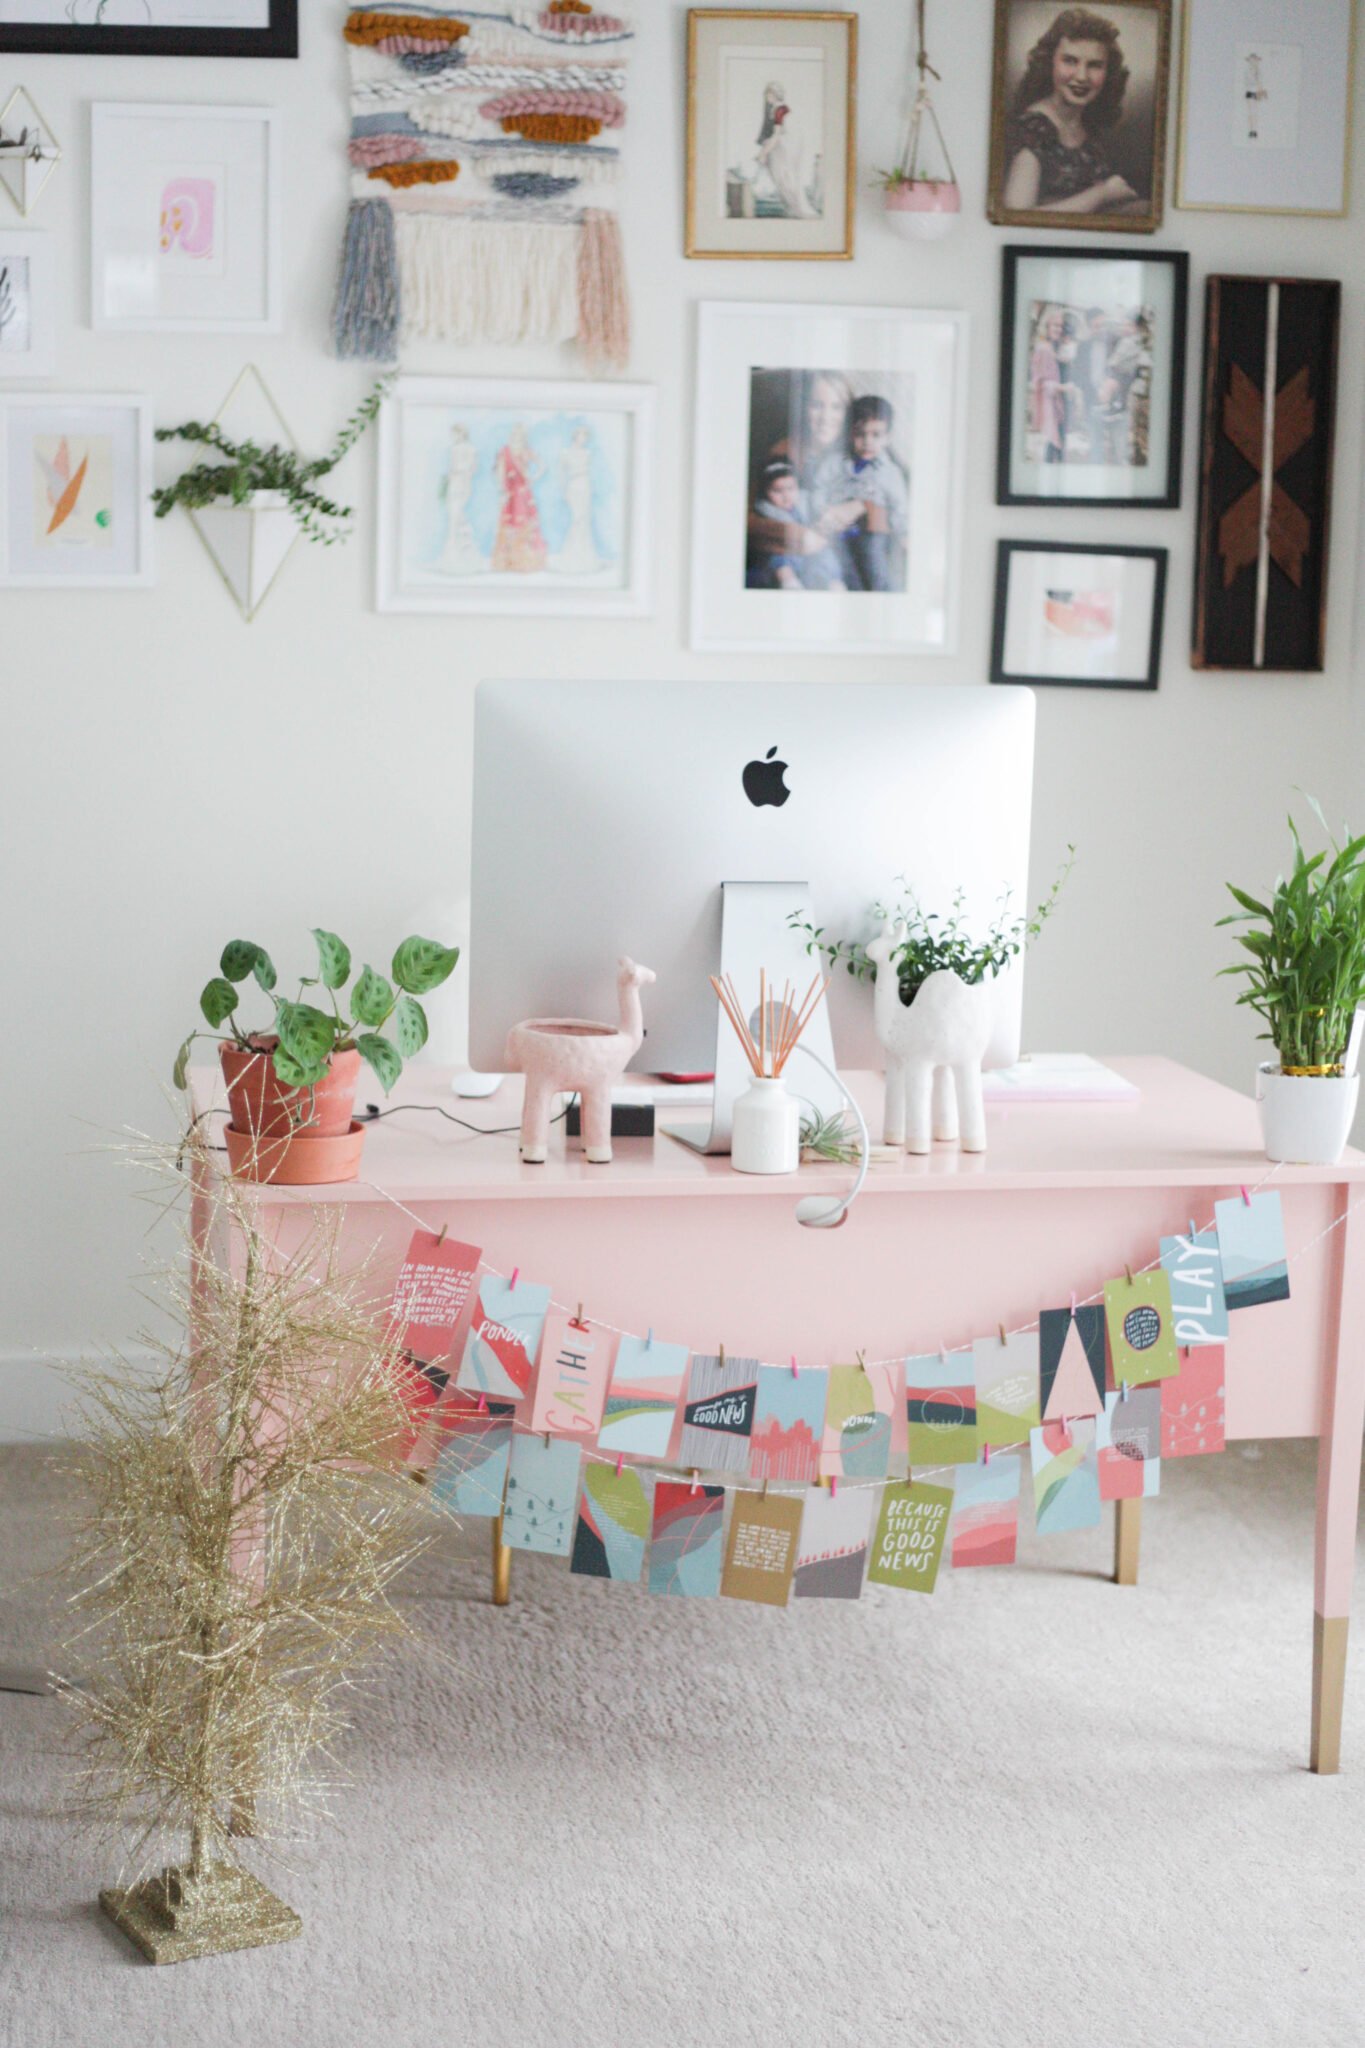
[[249, 544]]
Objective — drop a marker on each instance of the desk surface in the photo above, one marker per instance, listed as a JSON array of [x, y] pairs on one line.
[[1183, 1131]]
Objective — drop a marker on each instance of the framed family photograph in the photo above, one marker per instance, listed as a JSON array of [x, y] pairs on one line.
[[1265, 106], [1068, 613], [827, 489], [771, 133], [1092, 377], [27, 313], [185, 219], [1078, 115], [152, 28], [515, 497], [75, 491]]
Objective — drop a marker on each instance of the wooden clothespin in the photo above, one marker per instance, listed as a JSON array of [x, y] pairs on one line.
[[1129, 1271], [1003, 1338], [441, 1234], [578, 1319]]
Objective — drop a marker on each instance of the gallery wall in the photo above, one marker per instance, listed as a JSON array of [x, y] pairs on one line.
[[176, 777]]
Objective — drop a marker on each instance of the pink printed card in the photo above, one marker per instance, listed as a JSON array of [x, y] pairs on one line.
[[1192, 1412], [571, 1386], [432, 1292]]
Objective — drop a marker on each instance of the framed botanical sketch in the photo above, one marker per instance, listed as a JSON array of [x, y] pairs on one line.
[[27, 319], [1092, 377], [1078, 115], [185, 219], [1066, 612], [827, 479], [152, 28], [75, 490], [1265, 472], [1265, 106], [513, 496], [771, 133]]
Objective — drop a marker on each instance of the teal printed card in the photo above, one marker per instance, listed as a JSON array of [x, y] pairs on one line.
[[502, 1345], [789, 1419], [1251, 1240], [471, 1469], [685, 1551], [1066, 1476], [646, 1385], [542, 1490], [1194, 1267], [613, 1522]]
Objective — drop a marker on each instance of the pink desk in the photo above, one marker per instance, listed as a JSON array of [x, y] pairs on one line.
[[938, 1250]]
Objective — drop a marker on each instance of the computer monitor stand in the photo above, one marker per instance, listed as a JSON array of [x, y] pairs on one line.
[[756, 932]]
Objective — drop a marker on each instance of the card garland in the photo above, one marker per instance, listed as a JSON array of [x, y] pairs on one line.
[[809, 1482], [485, 159]]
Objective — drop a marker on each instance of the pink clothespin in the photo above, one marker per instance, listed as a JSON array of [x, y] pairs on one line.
[[483, 1404], [620, 1461], [513, 1281], [1246, 1198], [985, 1454], [834, 1486], [696, 1483], [795, 1374]]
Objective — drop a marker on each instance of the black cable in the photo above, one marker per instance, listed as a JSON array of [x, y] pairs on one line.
[[372, 1113]]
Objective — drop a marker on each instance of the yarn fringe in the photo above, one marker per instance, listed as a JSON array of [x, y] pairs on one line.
[[368, 301], [551, 127], [478, 280], [603, 302], [365, 26], [432, 172]]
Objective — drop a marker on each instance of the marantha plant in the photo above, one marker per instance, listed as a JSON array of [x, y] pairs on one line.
[[306, 1036], [932, 941], [247, 468], [1306, 975]]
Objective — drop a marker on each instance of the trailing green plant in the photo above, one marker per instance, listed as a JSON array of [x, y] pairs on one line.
[[1306, 975], [247, 468], [305, 1036], [933, 941]]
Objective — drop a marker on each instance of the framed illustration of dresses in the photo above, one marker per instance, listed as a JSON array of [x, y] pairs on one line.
[[515, 497], [1265, 106]]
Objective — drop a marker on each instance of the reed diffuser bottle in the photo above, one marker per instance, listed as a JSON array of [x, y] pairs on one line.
[[765, 1127]]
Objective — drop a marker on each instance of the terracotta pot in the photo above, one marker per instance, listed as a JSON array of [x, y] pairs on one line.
[[261, 1106], [297, 1161]]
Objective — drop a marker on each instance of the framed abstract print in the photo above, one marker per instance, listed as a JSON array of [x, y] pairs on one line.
[[1078, 115], [515, 497], [27, 313], [152, 28], [185, 219], [75, 491], [1265, 473], [771, 133], [1265, 106], [827, 480], [1066, 612], [1092, 377]]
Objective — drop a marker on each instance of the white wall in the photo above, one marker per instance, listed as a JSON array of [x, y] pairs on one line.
[[174, 777]]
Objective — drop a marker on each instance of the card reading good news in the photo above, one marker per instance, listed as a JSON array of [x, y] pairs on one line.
[[1195, 1270], [1006, 1388], [572, 1382], [760, 1555], [431, 1291], [646, 1383], [718, 1419], [940, 1408], [1141, 1343], [909, 1541], [1251, 1240], [1071, 1362], [788, 1419], [613, 1523], [506, 1335]]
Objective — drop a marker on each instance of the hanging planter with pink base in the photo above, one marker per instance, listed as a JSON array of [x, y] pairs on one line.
[[921, 195]]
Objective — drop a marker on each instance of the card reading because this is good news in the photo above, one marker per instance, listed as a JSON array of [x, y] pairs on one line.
[[911, 1529]]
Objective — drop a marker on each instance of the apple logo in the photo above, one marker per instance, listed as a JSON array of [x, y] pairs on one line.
[[763, 782]]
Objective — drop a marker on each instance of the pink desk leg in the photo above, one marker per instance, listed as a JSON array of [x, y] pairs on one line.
[[1343, 1422]]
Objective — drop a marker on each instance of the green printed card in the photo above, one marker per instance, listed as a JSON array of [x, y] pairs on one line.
[[908, 1542]]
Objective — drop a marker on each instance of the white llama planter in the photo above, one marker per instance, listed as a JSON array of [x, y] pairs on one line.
[[934, 1049]]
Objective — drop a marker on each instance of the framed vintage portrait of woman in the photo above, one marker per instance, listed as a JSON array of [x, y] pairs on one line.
[[1265, 106], [1068, 612], [1092, 377], [1078, 115], [513, 496], [770, 133], [827, 479]]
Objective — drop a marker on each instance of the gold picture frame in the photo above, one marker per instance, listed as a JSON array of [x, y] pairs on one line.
[[772, 198], [1125, 155]]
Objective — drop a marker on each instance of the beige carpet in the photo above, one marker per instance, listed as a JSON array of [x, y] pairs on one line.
[[1036, 1809]]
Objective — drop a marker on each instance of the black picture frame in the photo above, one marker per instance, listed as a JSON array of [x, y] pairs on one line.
[[1178, 262], [279, 39], [1006, 550]]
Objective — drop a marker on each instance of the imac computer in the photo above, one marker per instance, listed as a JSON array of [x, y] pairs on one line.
[[641, 818]]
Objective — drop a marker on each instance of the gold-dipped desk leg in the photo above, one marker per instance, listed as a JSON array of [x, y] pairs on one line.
[[502, 1567], [1127, 1538], [1329, 1692]]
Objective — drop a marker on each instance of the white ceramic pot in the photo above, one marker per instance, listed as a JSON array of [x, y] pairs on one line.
[[924, 211], [1306, 1118], [765, 1129]]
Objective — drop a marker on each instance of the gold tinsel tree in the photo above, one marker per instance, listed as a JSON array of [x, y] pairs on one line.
[[243, 1516]]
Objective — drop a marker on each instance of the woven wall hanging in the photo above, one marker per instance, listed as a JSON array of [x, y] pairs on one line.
[[485, 155]]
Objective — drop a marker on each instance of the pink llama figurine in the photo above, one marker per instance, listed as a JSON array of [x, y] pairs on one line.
[[571, 1053]]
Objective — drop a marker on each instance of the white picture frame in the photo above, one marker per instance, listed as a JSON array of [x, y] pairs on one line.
[[516, 496], [185, 213], [27, 310], [786, 388], [100, 443], [1265, 106]]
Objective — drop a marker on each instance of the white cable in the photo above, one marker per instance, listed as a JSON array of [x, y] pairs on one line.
[[818, 1212]]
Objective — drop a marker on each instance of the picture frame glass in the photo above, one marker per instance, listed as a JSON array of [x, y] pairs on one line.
[[1094, 368], [1265, 105], [828, 478], [26, 305], [74, 489], [770, 141], [1077, 616]]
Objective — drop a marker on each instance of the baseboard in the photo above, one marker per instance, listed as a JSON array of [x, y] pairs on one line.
[[35, 1395]]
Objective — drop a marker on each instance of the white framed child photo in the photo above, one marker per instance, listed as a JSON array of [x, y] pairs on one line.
[[827, 503], [515, 496]]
